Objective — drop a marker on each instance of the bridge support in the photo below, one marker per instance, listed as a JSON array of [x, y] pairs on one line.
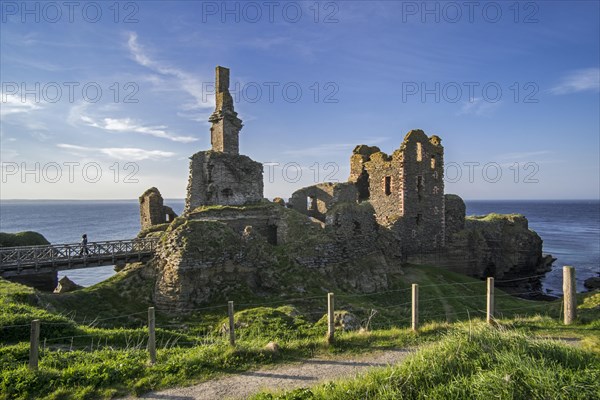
[[45, 282]]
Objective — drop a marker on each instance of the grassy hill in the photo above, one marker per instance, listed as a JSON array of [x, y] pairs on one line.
[[94, 340]]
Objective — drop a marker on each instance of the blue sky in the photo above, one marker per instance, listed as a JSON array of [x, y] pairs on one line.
[[512, 88]]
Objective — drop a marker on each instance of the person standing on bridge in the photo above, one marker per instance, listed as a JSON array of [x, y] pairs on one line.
[[84, 248]]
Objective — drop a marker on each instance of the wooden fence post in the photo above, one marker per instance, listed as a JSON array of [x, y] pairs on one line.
[[415, 307], [490, 301], [34, 343], [569, 295], [330, 318], [231, 324], [151, 335]]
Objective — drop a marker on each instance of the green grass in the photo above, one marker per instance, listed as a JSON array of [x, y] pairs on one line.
[[88, 353], [473, 361]]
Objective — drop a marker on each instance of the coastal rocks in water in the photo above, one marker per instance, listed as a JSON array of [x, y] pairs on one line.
[[66, 285], [592, 283]]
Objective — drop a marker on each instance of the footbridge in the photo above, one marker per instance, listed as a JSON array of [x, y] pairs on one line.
[[31, 260]]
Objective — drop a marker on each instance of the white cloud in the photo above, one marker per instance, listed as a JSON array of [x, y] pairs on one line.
[[478, 106], [579, 81], [13, 104], [185, 81], [128, 125], [119, 153]]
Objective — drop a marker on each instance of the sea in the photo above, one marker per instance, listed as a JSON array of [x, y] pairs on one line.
[[570, 229]]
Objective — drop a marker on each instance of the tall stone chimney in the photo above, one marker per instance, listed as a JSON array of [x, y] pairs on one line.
[[226, 126]]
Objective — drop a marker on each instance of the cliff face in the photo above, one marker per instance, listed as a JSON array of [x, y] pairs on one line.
[[496, 245]]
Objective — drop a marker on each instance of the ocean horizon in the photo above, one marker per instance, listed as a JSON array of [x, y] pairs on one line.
[[570, 229]]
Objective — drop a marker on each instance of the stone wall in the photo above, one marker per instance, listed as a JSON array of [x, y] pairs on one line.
[[223, 179], [455, 211], [406, 189], [422, 226], [152, 209], [266, 219], [316, 200]]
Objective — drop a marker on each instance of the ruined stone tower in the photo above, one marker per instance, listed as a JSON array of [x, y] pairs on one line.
[[406, 189], [152, 209], [226, 126], [222, 176]]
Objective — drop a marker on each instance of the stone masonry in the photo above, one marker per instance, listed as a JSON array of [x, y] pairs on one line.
[[152, 209], [222, 176], [406, 190]]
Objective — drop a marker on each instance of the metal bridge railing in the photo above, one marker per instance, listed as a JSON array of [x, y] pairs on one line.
[[32, 256]]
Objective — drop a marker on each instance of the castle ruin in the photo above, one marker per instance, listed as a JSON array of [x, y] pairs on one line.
[[355, 234]]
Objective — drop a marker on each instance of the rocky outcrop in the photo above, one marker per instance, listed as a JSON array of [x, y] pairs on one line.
[[201, 259], [66, 285], [496, 245], [592, 283]]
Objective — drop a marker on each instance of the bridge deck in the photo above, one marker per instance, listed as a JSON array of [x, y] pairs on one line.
[[41, 259]]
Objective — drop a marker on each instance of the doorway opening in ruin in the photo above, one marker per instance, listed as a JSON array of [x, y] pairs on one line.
[[227, 193], [387, 183], [272, 234], [362, 185]]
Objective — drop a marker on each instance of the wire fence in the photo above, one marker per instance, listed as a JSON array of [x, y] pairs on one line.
[[402, 308]]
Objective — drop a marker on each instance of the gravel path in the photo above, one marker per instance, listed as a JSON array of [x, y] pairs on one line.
[[306, 373]]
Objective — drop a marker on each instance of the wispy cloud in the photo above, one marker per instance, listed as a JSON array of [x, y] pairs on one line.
[[128, 125], [478, 107], [581, 80], [119, 153], [13, 104], [186, 81]]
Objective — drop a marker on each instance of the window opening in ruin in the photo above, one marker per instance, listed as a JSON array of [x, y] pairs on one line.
[[419, 184], [419, 218], [272, 234], [419, 152], [432, 162], [227, 192], [388, 185], [357, 227], [311, 203]]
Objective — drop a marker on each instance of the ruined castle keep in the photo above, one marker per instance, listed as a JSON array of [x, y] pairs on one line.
[[406, 190], [353, 235], [222, 176]]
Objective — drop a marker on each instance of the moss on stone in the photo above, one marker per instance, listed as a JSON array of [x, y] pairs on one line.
[[154, 230]]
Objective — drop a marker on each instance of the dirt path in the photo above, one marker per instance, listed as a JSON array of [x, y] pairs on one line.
[[306, 373]]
